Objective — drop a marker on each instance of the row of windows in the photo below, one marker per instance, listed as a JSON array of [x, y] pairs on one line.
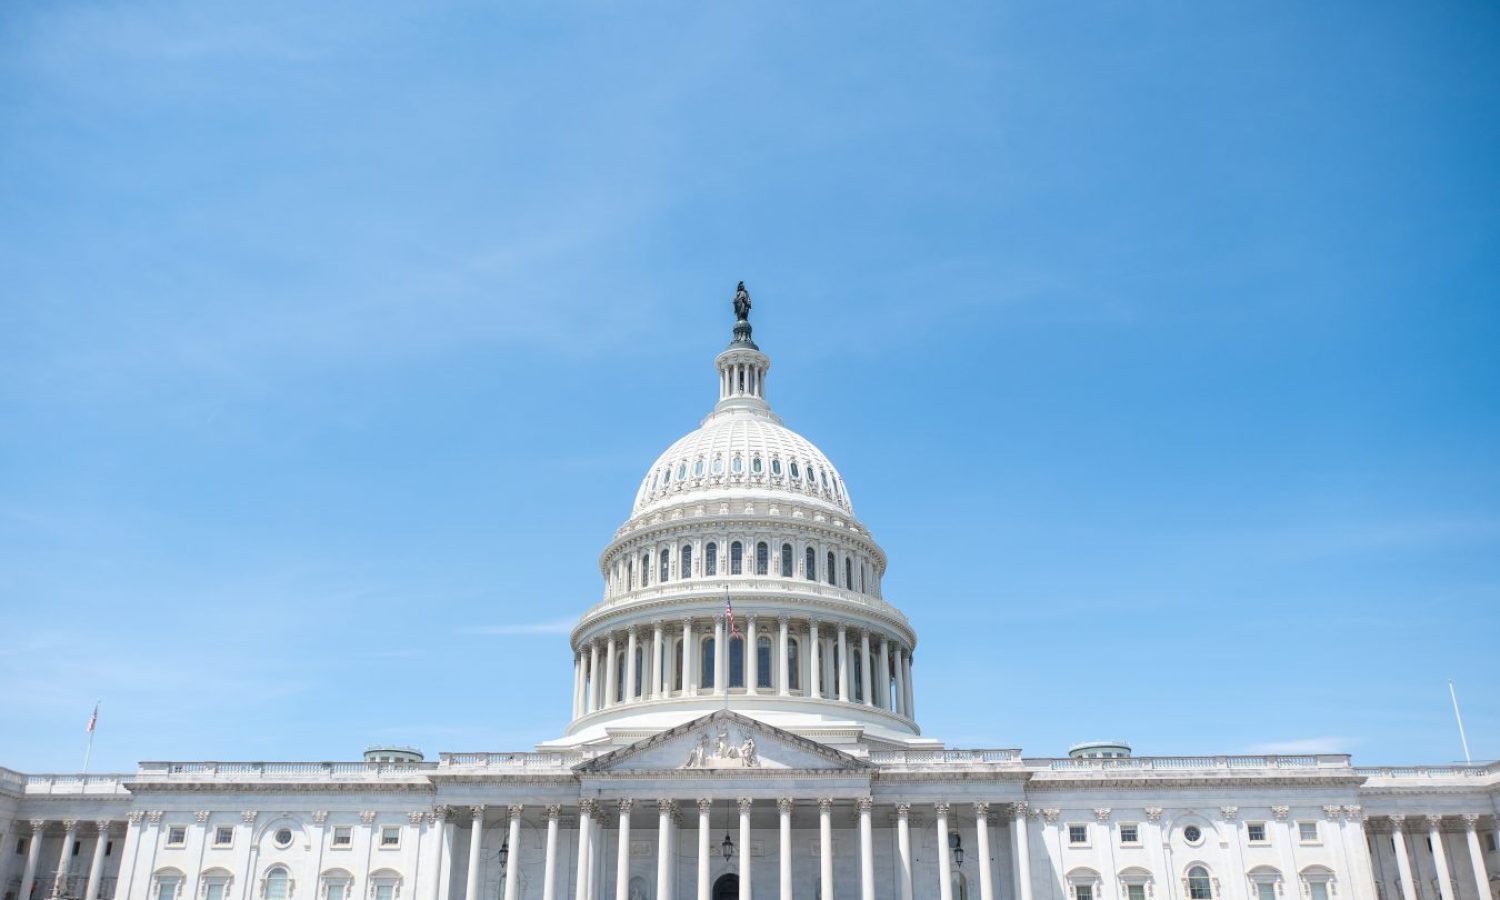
[[278, 884], [795, 473], [341, 838], [1130, 833], [761, 563], [1199, 884]]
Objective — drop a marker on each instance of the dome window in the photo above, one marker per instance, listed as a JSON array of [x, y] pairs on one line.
[[711, 559], [681, 471], [737, 465], [786, 560], [736, 558], [796, 472], [756, 465], [718, 465], [776, 466], [698, 467], [762, 558], [824, 477]]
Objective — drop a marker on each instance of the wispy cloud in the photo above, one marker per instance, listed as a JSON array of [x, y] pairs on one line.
[[1296, 746], [560, 626]]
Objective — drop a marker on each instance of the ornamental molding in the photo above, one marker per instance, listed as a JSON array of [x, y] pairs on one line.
[[1051, 814], [1103, 814], [1229, 813], [415, 817], [154, 816], [1281, 812], [134, 816], [865, 804], [784, 806], [368, 816], [319, 816], [982, 809], [1153, 813], [201, 816], [1333, 813]]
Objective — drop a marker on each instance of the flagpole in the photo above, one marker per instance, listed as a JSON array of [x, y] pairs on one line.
[[1462, 738], [93, 723]]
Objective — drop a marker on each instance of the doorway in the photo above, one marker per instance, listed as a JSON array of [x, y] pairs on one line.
[[727, 887]]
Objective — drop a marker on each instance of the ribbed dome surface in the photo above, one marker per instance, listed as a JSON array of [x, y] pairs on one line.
[[740, 450]]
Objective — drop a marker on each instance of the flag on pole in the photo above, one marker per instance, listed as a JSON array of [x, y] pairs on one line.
[[734, 629], [93, 719]]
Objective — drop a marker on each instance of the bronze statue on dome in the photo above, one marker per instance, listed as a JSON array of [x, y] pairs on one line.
[[742, 303]]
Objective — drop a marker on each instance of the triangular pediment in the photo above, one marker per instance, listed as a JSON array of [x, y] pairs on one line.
[[724, 740]]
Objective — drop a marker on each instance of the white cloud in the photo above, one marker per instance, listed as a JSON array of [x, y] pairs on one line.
[[560, 626]]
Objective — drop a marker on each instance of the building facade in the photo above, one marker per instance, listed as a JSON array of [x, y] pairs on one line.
[[744, 727]]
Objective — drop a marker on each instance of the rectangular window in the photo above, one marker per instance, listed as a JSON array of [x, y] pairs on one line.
[[1307, 832], [1319, 890], [1265, 890], [1130, 833], [21, 846], [1256, 832], [1083, 892], [390, 836], [223, 836], [385, 891], [336, 890], [1135, 892], [176, 836], [1078, 835], [342, 836], [165, 890], [215, 891]]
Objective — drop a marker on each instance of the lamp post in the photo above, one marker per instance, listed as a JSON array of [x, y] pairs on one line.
[[956, 845]]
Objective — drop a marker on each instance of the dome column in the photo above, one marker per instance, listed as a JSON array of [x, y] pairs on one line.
[[866, 671], [658, 662], [815, 668], [751, 657], [843, 663], [631, 675], [901, 681], [783, 657], [689, 674], [611, 673], [885, 673], [911, 711]]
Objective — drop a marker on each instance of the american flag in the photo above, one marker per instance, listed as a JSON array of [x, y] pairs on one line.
[[94, 719], [734, 628]]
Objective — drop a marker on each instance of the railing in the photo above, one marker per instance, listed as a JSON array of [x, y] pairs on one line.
[[12, 780], [76, 784], [943, 757], [712, 588], [1194, 763], [511, 761], [1478, 770], [281, 769]]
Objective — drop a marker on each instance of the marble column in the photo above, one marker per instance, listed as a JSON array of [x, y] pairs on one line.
[[883, 695], [784, 808], [1023, 851], [549, 871], [1440, 857], [595, 686], [903, 849], [843, 663], [982, 838], [622, 853], [866, 851], [1476, 855], [611, 674], [751, 656], [815, 666], [632, 676], [900, 682], [721, 658], [96, 865], [944, 855], [658, 662], [745, 804], [664, 812], [513, 860], [70, 834], [825, 847], [704, 808], [1403, 860], [689, 654], [585, 848], [476, 835], [783, 657], [33, 856], [866, 671]]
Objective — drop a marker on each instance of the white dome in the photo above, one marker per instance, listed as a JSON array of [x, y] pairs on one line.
[[742, 452]]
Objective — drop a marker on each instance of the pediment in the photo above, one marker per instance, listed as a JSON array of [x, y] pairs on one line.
[[724, 740]]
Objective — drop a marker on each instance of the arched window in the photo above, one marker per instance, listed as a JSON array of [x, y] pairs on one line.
[[666, 566], [786, 560], [336, 884], [384, 885], [861, 578], [793, 665], [1199, 885], [682, 470], [848, 573], [763, 661], [762, 558], [706, 664], [811, 564], [216, 884], [619, 678], [169, 884], [676, 663], [275, 886], [857, 675], [736, 662], [698, 467], [756, 465], [737, 465], [718, 467], [685, 562], [711, 559], [629, 575], [645, 570], [833, 570], [736, 558], [640, 669]]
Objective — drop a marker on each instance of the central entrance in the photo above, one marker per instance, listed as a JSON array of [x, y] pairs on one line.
[[727, 887]]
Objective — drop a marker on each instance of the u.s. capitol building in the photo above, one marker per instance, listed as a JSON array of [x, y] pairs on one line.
[[773, 752]]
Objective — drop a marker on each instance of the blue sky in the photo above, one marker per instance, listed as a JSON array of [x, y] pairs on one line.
[[1155, 341]]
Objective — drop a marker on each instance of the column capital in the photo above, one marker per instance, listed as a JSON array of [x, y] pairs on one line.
[[587, 808], [1397, 822], [940, 808], [658, 624], [248, 816], [1333, 813], [201, 816], [1434, 821], [38, 825], [784, 805], [414, 817], [667, 806], [477, 811], [705, 804], [1229, 813], [630, 630], [783, 620], [514, 810], [1020, 807], [1471, 821], [154, 816], [70, 825], [1354, 813], [1051, 814], [625, 805], [1102, 814], [103, 825], [843, 628], [554, 812], [134, 817], [319, 816], [865, 804], [825, 804], [744, 803], [903, 810]]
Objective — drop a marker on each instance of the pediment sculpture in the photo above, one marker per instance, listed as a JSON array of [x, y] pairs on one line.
[[723, 753]]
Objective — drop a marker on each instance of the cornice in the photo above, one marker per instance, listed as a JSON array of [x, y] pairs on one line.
[[266, 787], [1280, 779], [710, 602]]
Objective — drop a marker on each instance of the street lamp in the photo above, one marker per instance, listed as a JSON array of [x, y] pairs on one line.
[[956, 844], [727, 848], [504, 855]]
